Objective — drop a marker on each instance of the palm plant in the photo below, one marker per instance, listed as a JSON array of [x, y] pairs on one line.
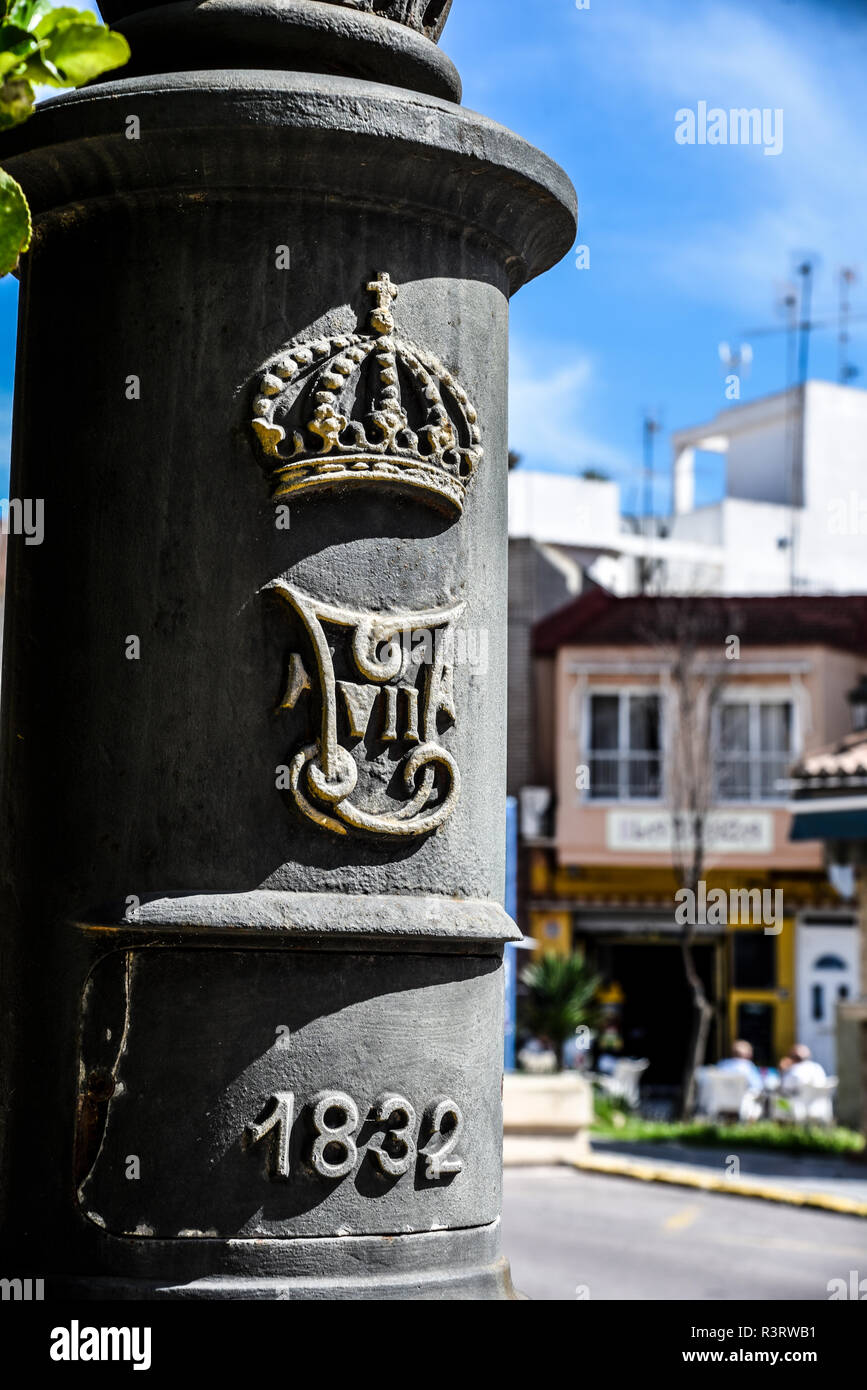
[[561, 999]]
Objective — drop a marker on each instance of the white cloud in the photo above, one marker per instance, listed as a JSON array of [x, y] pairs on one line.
[[549, 405], [731, 248]]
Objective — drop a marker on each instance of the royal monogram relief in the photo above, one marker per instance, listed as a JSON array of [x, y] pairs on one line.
[[367, 408], [391, 699]]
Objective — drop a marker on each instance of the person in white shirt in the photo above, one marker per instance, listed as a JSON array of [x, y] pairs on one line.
[[803, 1071], [741, 1061]]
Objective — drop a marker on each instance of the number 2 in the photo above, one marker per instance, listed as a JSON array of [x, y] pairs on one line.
[[439, 1149]]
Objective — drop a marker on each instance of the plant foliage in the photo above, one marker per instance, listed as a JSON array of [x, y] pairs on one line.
[[761, 1134], [43, 46], [562, 991]]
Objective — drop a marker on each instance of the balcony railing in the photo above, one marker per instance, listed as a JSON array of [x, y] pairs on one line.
[[638, 776], [625, 776], [753, 777]]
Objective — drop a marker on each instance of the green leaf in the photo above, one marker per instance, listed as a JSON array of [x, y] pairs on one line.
[[16, 101], [16, 45], [42, 73], [12, 36], [79, 51], [10, 58], [15, 225], [27, 13], [63, 15]]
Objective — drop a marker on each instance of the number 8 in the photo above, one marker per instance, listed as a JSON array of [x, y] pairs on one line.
[[339, 1135]]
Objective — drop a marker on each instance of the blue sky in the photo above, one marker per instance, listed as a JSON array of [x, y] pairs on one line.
[[689, 245]]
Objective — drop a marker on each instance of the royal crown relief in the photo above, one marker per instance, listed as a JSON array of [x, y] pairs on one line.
[[340, 413], [367, 408]]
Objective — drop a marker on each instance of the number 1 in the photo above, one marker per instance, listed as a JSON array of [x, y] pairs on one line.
[[280, 1119]]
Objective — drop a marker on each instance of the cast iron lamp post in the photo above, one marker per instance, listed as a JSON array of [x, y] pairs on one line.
[[254, 678]]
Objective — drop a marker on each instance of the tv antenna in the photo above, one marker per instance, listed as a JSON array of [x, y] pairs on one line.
[[651, 427], [846, 371], [796, 303]]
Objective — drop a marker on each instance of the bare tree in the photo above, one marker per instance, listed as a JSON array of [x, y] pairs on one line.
[[693, 639]]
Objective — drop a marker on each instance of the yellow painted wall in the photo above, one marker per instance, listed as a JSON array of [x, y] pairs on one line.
[[782, 998], [552, 931], [602, 885], [608, 884]]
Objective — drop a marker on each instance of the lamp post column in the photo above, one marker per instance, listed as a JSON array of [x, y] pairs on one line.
[[254, 677]]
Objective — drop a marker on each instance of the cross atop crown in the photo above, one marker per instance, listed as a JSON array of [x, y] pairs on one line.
[[385, 292]]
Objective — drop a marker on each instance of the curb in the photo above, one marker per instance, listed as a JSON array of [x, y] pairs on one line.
[[645, 1171]]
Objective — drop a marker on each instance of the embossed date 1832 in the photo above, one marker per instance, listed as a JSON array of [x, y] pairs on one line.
[[394, 1149]]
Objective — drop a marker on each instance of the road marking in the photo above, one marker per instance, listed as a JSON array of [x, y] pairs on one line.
[[682, 1219], [800, 1247], [708, 1181]]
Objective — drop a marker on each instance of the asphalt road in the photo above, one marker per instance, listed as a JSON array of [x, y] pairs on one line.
[[615, 1238]]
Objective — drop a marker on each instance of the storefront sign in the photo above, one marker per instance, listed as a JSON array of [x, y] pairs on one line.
[[726, 832]]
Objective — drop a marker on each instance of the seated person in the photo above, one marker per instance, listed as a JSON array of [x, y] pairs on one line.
[[741, 1061], [802, 1070]]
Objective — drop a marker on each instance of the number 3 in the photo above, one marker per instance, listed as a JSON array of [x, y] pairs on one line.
[[386, 1105]]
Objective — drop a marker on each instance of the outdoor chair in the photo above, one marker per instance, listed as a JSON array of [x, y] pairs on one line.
[[538, 1062], [624, 1081], [723, 1092], [807, 1103]]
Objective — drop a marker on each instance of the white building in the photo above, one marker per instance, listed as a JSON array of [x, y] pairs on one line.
[[793, 518]]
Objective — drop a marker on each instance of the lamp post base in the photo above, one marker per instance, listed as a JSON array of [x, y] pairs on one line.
[[432, 1266]]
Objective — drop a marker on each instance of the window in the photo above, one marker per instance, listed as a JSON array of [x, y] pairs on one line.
[[829, 963], [754, 749], [625, 756], [754, 960], [755, 1024]]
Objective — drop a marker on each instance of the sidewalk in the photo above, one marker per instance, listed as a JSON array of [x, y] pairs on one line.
[[810, 1180]]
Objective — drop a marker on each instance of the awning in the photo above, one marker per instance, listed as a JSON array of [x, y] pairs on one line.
[[816, 823], [625, 923]]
